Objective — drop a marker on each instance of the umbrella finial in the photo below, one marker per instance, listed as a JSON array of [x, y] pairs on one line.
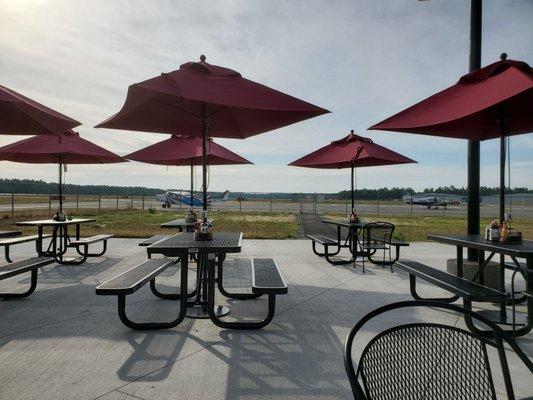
[[503, 56], [352, 131], [202, 58]]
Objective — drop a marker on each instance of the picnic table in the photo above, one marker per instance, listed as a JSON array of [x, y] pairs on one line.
[[60, 235], [351, 240], [7, 234], [184, 243], [515, 251], [180, 224]]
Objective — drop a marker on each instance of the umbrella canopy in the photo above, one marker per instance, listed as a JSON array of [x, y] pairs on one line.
[[494, 101], [63, 148], [20, 115], [352, 151], [202, 99], [182, 150], [185, 150]]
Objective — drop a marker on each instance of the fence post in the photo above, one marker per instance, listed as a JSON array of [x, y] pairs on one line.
[[301, 203], [117, 202], [143, 201], [411, 205], [99, 202], [77, 203], [377, 195], [346, 204], [270, 202], [49, 199], [131, 203], [240, 202]]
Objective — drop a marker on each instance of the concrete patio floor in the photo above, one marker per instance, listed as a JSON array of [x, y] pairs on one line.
[[64, 342]]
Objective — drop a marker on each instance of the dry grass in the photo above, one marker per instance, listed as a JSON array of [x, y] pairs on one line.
[[141, 224], [416, 229]]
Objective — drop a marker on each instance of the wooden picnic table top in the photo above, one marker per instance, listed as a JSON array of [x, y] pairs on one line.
[[51, 222], [8, 234], [521, 250]]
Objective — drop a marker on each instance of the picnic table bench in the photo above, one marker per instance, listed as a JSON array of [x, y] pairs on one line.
[[460, 287], [21, 267], [152, 240], [84, 243], [5, 234], [266, 280], [135, 278], [7, 243]]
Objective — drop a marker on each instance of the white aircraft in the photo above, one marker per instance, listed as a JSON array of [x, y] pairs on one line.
[[171, 197], [429, 202]]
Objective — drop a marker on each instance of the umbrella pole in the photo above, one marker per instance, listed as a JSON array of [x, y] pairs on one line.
[[204, 158], [60, 185], [192, 184], [353, 200], [503, 132]]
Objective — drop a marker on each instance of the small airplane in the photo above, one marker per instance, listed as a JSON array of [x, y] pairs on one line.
[[429, 202], [172, 197]]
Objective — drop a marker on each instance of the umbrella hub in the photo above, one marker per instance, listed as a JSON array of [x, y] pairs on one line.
[[352, 137], [495, 69], [210, 69]]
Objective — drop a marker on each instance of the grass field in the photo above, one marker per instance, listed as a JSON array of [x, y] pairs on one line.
[[416, 229], [254, 225], [141, 224]]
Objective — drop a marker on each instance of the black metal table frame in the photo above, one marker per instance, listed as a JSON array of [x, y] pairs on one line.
[[59, 234], [483, 262], [351, 242], [206, 259]]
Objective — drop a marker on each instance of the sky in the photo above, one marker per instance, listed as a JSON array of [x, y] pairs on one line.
[[364, 60]]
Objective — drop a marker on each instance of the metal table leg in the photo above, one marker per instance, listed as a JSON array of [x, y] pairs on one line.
[[198, 309]]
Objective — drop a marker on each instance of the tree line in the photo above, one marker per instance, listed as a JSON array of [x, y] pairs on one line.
[[29, 186]]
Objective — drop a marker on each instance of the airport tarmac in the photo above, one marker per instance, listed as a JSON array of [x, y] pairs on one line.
[[384, 208]]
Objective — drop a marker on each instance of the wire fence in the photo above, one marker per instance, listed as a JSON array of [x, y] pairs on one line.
[[44, 199]]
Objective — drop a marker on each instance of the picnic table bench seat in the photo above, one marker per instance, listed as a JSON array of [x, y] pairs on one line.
[[152, 240], [135, 278], [266, 280], [82, 247], [20, 267], [460, 287], [6, 243], [326, 242]]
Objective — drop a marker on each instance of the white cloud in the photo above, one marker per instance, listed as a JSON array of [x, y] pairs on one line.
[[363, 60]]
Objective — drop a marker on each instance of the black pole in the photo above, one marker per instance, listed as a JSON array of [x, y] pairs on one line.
[[60, 184], [473, 217], [192, 183], [204, 157], [352, 188], [503, 133]]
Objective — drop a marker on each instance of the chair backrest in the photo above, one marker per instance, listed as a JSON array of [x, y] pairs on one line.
[[381, 231], [422, 361]]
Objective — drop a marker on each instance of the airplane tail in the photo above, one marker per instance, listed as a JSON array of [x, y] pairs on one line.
[[225, 195]]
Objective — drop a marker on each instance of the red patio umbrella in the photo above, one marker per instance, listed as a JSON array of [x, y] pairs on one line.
[[182, 150], [494, 101], [352, 151], [206, 100], [62, 149], [20, 115]]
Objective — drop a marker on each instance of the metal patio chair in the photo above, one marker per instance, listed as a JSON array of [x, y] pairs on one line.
[[428, 361], [377, 236]]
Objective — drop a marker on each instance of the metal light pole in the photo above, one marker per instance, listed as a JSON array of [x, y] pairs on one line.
[[473, 145]]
